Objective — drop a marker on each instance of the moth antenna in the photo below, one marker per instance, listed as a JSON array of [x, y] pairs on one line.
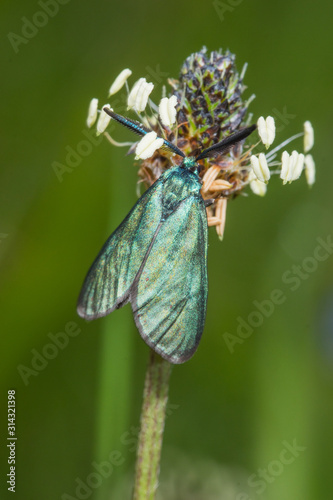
[[141, 130], [133, 125], [168, 145], [226, 144]]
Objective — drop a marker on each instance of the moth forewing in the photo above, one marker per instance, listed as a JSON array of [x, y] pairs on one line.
[[108, 282]]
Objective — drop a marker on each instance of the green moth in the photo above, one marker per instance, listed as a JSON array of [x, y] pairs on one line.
[[157, 258]]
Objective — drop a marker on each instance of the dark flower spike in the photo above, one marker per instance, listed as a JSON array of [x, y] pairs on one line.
[[226, 144]]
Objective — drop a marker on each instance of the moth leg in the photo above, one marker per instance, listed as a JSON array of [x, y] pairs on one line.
[[209, 202]]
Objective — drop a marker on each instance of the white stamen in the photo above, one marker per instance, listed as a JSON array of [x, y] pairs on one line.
[[259, 188], [138, 97], [266, 130], [284, 165], [148, 145], [120, 81], [92, 112], [167, 110], [308, 136], [292, 166], [298, 167], [310, 170], [103, 120], [260, 167], [132, 95]]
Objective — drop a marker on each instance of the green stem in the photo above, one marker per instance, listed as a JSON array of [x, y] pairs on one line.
[[155, 397]]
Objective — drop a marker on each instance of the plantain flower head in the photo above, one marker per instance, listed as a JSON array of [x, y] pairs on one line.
[[204, 106]]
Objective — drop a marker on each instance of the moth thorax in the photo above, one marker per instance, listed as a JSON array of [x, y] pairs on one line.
[[189, 163]]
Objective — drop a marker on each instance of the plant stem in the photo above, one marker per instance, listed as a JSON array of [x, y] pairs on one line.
[[155, 397]]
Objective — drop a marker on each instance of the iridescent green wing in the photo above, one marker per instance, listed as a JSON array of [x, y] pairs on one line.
[[111, 276], [169, 294]]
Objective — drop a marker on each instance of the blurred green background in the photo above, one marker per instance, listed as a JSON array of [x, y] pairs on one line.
[[231, 414]]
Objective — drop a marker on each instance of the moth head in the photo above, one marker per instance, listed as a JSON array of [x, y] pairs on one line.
[[190, 162]]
